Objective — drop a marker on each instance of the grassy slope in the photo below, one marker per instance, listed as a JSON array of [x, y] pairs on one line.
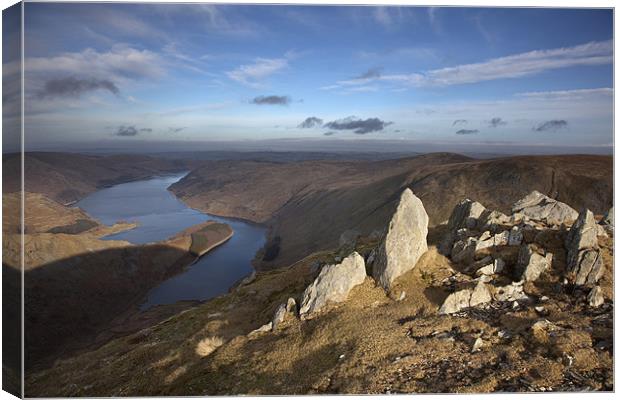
[[369, 344]]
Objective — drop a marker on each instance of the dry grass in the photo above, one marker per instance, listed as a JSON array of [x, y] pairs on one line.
[[208, 345]]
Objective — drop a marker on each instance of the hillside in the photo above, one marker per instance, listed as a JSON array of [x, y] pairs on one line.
[[547, 337], [68, 177], [309, 204]]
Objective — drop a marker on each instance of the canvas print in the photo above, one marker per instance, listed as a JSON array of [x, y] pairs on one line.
[[219, 199]]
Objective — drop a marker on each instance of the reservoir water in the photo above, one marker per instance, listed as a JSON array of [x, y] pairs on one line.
[[161, 215]]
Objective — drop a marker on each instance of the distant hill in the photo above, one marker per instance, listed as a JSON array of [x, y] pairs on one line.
[[67, 177], [309, 204]]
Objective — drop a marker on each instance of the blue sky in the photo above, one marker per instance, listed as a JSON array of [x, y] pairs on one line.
[[125, 74]]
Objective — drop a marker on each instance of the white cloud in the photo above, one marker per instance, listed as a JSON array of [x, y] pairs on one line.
[[513, 66], [253, 74], [574, 94], [121, 62]]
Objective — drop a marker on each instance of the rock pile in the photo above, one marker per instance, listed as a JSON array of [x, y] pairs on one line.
[[491, 245]]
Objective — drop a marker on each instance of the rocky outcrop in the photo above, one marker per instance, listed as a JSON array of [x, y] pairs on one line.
[[584, 263], [532, 263], [608, 218], [540, 207], [404, 242], [595, 297], [464, 216], [466, 298], [333, 284], [282, 311]]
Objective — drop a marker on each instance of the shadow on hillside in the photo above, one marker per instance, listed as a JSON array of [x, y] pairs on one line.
[[70, 302]]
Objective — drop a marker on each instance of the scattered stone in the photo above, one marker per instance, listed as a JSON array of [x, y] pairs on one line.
[[265, 328], [544, 298], [512, 292], [532, 263], [402, 296], [466, 298], [504, 334], [540, 309], [495, 267], [480, 295], [595, 297], [540, 207], [456, 301], [477, 345], [404, 242], [333, 284]]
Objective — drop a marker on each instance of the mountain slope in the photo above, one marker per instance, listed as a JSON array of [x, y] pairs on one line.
[[308, 205]]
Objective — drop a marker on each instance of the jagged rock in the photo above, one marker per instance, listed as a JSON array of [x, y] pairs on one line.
[[464, 216], [466, 298], [464, 250], [486, 240], [608, 218], [515, 237], [480, 295], [601, 230], [582, 234], [333, 284], [456, 302], [590, 268], [278, 317], [291, 305], [595, 297], [265, 328], [492, 220], [404, 242], [494, 267], [478, 343], [583, 261], [543, 208], [532, 263], [283, 309], [512, 292], [371, 257]]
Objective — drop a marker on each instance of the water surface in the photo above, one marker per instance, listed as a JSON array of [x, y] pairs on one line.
[[161, 215]]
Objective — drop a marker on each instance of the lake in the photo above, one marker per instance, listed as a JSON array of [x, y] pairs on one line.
[[161, 215]]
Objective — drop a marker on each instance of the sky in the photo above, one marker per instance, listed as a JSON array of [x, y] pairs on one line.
[[192, 75]]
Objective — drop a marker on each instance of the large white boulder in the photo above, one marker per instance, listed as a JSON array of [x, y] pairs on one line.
[[404, 242], [333, 284]]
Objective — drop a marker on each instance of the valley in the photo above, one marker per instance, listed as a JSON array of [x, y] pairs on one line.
[[101, 297]]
